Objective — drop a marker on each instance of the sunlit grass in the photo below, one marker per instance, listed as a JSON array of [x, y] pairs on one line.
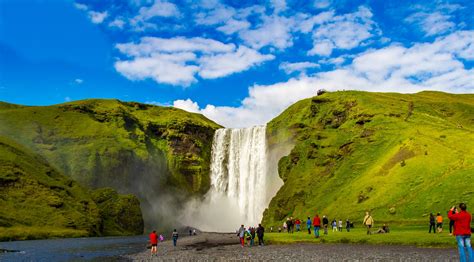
[[399, 235]]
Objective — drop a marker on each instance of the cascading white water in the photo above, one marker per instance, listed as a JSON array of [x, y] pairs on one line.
[[239, 170], [244, 178]]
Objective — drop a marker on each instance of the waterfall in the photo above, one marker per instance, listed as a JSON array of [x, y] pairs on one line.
[[239, 170], [244, 178]]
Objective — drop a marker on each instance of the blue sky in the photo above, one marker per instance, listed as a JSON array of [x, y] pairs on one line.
[[238, 64]]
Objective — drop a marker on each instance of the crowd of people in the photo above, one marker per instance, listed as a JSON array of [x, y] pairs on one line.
[[459, 226]]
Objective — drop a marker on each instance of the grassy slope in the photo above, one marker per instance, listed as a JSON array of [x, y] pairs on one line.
[[400, 156], [38, 202], [132, 147]]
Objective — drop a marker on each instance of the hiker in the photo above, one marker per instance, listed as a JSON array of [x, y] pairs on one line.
[[432, 223], [174, 236], [348, 225], [439, 223], [334, 225], [291, 225], [248, 236], [308, 225], [451, 222], [153, 242], [340, 225], [462, 231], [241, 235], [316, 225], [298, 225], [252, 235], [325, 224], [260, 232], [384, 229], [368, 222], [285, 225]]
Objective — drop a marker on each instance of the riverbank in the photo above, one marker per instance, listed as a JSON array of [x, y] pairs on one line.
[[225, 247]]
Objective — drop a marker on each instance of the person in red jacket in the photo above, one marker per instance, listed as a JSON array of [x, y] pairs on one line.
[[462, 231], [316, 225], [153, 242]]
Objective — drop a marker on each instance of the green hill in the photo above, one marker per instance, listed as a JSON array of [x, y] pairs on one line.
[[38, 202], [401, 156], [150, 151]]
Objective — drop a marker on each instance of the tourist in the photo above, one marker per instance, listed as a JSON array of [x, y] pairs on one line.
[[308, 225], [340, 225], [334, 225], [241, 234], [439, 223], [462, 231], [432, 223], [316, 225], [285, 225], [174, 236], [260, 233], [194, 232], [279, 229], [348, 225], [271, 229], [298, 225], [248, 236], [190, 232], [368, 222], [384, 229], [325, 224], [252, 235], [153, 242], [451, 222]]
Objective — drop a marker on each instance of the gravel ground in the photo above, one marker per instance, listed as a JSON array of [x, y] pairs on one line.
[[225, 247]]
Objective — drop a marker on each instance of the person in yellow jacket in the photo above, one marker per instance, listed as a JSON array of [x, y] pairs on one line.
[[368, 222]]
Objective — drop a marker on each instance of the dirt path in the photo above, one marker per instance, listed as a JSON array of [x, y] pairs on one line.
[[224, 247]]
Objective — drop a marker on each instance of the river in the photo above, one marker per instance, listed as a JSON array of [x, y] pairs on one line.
[[73, 249]]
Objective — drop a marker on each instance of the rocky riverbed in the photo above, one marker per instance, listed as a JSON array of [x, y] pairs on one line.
[[225, 247]]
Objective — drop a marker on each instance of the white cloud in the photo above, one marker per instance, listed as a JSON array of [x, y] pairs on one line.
[[232, 26], [343, 32], [187, 105], [81, 7], [278, 5], [321, 4], [97, 17], [297, 67], [423, 66], [78, 81], [118, 23], [432, 23], [274, 31], [159, 8], [177, 60], [228, 63]]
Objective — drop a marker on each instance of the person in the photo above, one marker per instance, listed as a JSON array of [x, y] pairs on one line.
[[190, 232], [279, 229], [308, 225], [290, 225], [340, 225], [325, 224], [462, 231], [252, 235], [248, 236], [241, 234], [432, 223], [298, 225], [451, 222], [368, 222], [316, 225], [153, 242], [439, 223], [271, 229], [348, 225], [384, 229], [194, 232], [175, 237], [285, 225], [334, 225], [260, 233]]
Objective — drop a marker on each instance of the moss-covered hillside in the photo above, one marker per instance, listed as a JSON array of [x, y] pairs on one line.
[[38, 202], [401, 156], [134, 148]]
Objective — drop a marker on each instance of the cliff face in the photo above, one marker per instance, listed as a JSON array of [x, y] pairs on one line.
[[400, 156], [144, 150], [39, 202]]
